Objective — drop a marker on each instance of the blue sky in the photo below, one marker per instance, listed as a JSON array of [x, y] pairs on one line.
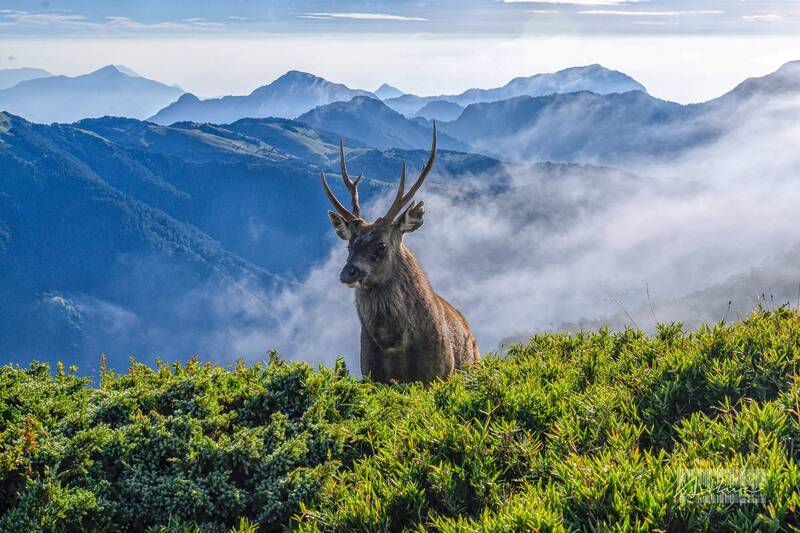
[[58, 17], [685, 50]]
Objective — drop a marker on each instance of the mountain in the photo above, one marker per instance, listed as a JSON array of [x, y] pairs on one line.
[[104, 92], [592, 78], [128, 71], [784, 81], [614, 129], [128, 237], [12, 76], [290, 95], [80, 258], [371, 121], [387, 91], [580, 127], [441, 110]]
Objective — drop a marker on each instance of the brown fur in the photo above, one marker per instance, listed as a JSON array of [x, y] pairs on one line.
[[408, 332]]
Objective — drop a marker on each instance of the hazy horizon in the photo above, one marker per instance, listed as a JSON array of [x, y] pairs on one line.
[[681, 51], [709, 71]]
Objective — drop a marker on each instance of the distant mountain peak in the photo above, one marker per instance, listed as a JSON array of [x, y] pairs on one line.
[[386, 86], [363, 100], [186, 98], [594, 78], [387, 91], [106, 91], [108, 69], [784, 80], [441, 110], [298, 75], [127, 71], [107, 73], [369, 120], [288, 96], [12, 76], [792, 67]]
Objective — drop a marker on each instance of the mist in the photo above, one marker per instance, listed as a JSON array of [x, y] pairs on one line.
[[529, 248], [689, 68], [546, 255]]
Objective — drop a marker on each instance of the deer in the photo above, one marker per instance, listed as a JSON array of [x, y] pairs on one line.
[[409, 332]]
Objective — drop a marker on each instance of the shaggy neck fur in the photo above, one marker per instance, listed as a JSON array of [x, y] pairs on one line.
[[400, 307]]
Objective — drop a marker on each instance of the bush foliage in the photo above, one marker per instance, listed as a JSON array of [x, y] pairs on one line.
[[591, 431]]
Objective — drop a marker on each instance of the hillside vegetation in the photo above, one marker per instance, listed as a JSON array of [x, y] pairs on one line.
[[596, 431]]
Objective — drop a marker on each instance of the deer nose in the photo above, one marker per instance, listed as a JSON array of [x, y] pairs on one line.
[[350, 274]]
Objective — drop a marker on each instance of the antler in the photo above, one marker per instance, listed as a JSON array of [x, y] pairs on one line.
[[402, 199], [352, 186], [348, 216]]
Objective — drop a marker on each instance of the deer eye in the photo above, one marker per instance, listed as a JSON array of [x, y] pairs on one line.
[[378, 251]]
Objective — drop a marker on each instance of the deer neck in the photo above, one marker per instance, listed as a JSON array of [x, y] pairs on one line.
[[397, 310]]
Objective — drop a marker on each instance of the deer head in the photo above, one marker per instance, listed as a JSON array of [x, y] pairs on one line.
[[374, 247]]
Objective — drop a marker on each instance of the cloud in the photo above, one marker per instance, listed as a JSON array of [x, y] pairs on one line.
[[361, 16], [131, 24], [41, 19], [649, 13], [544, 252], [127, 23], [81, 22], [576, 2], [763, 18]]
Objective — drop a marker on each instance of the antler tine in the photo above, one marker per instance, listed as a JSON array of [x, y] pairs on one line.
[[425, 170], [352, 185], [397, 203], [348, 216]]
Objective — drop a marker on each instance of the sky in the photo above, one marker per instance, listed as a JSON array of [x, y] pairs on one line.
[[682, 50]]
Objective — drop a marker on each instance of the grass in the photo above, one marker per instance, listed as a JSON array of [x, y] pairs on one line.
[[595, 431]]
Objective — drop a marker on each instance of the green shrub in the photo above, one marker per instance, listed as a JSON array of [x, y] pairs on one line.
[[587, 432]]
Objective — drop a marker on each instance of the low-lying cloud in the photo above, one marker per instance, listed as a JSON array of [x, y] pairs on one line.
[[541, 254], [362, 16], [548, 249]]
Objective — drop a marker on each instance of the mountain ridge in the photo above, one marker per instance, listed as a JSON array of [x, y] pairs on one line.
[[105, 91], [373, 122], [615, 129], [594, 78], [12, 76], [287, 96], [387, 91]]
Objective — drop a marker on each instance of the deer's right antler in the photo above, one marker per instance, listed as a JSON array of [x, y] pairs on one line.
[[352, 186]]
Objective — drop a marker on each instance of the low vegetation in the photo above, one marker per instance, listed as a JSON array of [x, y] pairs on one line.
[[595, 431]]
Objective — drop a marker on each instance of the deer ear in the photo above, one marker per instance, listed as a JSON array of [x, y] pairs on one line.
[[411, 219], [339, 225]]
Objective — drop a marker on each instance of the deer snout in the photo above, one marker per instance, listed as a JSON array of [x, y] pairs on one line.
[[351, 275]]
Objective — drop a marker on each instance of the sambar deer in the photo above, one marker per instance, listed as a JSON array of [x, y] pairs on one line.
[[408, 332]]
